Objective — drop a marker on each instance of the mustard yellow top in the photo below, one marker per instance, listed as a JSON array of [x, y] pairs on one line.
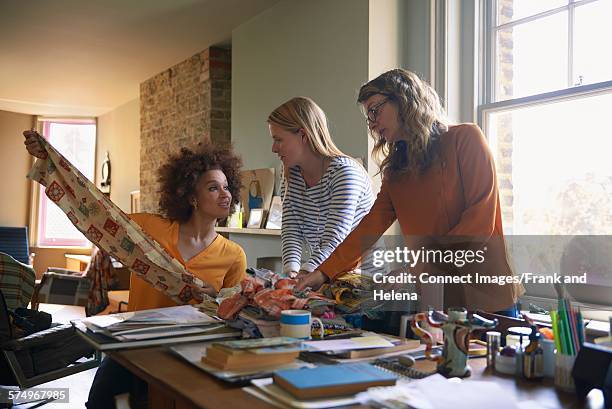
[[222, 264]]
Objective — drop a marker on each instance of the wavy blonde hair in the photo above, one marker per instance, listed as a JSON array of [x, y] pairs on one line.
[[421, 116]]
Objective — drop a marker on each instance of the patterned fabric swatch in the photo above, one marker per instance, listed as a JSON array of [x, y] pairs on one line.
[[16, 282], [105, 225], [101, 274]]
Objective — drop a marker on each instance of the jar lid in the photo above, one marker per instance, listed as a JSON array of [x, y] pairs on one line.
[[525, 331]]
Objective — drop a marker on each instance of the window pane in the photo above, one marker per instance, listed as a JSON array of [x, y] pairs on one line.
[[554, 172], [532, 57], [511, 10], [591, 26], [77, 142], [58, 229]]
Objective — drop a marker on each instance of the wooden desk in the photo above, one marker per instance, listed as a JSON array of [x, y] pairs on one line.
[[177, 384]]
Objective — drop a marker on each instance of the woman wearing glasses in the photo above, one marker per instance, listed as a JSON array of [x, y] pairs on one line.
[[325, 192], [438, 181]]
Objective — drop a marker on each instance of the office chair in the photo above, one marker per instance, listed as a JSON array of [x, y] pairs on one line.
[[14, 242]]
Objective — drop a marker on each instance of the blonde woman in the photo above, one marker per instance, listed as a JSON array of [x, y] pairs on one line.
[[438, 180], [325, 192]]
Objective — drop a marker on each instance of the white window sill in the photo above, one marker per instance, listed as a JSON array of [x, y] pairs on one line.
[[62, 247]]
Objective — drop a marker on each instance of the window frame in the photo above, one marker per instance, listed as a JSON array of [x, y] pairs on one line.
[[40, 198], [488, 21], [488, 104]]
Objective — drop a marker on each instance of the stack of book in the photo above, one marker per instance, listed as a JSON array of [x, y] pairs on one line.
[[152, 327], [252, 353]]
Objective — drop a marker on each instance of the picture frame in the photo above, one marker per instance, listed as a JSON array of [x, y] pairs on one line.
[[135, 201], [255, 218], [257, 190], [275, 215], [235, 220]]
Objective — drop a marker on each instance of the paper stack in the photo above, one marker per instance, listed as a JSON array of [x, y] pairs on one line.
[[160, 326], [154, 323]]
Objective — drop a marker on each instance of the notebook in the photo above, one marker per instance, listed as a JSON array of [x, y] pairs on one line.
[[332, 380], [393, 366]]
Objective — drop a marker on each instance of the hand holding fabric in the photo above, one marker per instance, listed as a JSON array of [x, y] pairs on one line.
[[33, 145], [312, 280]]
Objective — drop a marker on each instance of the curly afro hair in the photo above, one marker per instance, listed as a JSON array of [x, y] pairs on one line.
[[179, 176]]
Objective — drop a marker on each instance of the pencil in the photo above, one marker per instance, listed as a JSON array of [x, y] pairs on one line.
[[567, 329], [574, 327], [580, 327], [555, 325]]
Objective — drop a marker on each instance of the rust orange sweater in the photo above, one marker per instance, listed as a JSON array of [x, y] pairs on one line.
[[456, 196]]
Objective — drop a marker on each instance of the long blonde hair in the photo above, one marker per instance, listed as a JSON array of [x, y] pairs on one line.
[[303, 113], [421, 116]]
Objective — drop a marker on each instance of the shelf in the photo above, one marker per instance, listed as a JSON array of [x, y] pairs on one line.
[[261, 232]]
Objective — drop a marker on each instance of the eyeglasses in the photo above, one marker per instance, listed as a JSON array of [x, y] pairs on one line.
[[372, 113]]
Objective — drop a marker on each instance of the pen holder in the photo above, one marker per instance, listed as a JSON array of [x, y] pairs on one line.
[[563, 372], [548, 345]]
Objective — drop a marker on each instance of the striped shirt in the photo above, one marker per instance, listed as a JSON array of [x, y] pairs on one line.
[[320, 217]]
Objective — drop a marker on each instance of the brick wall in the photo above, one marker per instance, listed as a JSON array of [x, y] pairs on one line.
[[180, 107], [504, 77]]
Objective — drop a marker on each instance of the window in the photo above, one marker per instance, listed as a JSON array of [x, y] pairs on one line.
[[76, 140], [547, 93]]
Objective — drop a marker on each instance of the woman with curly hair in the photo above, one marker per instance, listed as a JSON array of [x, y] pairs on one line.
[[439, 181], [196, 189]]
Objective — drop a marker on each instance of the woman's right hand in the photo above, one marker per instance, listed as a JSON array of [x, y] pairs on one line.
[[312, 280], [33, 145]]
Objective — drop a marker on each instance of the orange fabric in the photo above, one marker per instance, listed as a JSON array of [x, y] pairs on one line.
[[222, 264], [457, 196]]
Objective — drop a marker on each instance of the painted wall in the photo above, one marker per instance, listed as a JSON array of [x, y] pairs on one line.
[[119, 134], [315, 48], [416, 34], [387, 39], [14, 165]]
